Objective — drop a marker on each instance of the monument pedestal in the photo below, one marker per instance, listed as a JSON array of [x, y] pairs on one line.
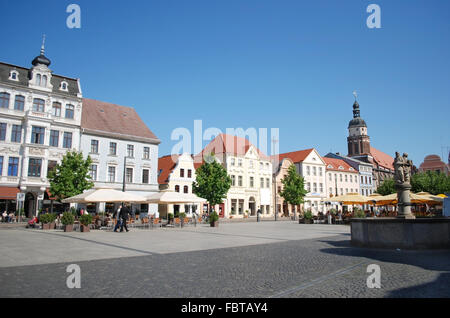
[[404, 201]]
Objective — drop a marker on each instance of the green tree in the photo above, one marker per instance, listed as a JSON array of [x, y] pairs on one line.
[[71, 177], [212, 181], [430, 181], [293, 187], [387, 187]]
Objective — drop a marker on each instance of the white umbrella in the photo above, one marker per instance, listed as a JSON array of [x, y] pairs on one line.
[[104, 195], [171, 197]]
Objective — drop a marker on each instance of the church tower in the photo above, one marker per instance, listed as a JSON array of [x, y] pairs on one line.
[[358, 141]]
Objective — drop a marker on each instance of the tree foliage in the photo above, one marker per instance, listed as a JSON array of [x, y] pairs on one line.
[[387, 187], [293, 187], [430, 181], [71, 177], [212, 181]]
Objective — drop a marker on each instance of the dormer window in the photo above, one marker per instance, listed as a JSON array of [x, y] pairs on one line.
[[64, 86], [14, 76], [341, 168]]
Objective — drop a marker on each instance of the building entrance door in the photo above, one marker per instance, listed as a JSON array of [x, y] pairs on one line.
[[30, 205], [252, 206]]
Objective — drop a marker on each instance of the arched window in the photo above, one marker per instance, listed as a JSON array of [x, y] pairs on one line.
[[38, 105], [186, 189], [38, 79], [56, 109], [177, 188], [19, 103], [4, 100], [44, 81], [14, 76], [69, 111]]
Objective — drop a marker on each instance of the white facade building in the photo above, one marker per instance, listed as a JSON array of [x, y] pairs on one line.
[[112, 134], [40, 115]]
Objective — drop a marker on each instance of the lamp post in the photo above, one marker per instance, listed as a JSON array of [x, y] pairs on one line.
[[274, 184]]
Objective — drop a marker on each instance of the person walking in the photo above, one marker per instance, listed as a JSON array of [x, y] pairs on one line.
[[116, 216], [124, 214]]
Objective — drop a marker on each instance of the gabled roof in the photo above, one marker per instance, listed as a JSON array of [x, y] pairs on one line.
[[382, 159], [228, 144], [333, 164], [296, 156], [166, 165], [118, 120]]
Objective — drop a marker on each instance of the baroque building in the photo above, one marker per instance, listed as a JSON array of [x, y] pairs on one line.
[[40, 116]]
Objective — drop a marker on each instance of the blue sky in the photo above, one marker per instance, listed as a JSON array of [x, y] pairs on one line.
[[285, 64]]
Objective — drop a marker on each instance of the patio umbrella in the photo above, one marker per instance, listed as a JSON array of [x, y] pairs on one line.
[[171, 197], [104, 195], [351, 198], [391, 199]]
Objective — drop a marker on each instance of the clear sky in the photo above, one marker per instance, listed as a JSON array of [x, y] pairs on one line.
[[287, 64]]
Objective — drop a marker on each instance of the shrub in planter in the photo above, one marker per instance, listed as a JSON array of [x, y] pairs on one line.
[[85, 220], [170, 218], [67, 220], [214, 219], [45, 219], [182, 216], [53, 217], [358, 213], [308, 217]]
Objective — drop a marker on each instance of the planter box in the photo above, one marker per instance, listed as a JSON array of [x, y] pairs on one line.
[[307, 221], [52, 226], [68, 228], [45, 226], [84, 228], [214, 224]]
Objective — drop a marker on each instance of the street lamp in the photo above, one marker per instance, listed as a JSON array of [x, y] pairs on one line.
[[274, 183]]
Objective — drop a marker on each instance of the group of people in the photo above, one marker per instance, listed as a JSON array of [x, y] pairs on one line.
[[8, 218], [121, 215]]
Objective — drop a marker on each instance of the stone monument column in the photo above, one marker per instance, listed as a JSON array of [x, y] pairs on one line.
[[403, 186]]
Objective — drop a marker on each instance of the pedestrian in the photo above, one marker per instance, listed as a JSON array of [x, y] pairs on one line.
[[116, 216], [258, 213], [124, 214], [5, 217]]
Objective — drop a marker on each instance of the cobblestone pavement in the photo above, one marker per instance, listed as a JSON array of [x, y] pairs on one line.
[[321, 265]]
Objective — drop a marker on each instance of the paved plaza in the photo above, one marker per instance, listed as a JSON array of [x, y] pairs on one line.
[[266, 259]]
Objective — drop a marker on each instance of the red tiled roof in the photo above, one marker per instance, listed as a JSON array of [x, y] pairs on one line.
[[382, 159], [433, 162], [107, 117], [295, 156], [166, 165], [8, 193], [228, 144], [336, 163]]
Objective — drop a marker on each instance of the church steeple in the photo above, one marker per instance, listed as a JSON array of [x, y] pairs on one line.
[[358, 141]]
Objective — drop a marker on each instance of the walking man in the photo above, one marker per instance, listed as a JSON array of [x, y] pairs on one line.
[[124, 214], [116, 216]]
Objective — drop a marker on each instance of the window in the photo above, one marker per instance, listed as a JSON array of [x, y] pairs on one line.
[[63, 86], [308, 187], [320, 171], [315, 187], [1, 165], [314, 171], [250, 164], [340, 177], [240, 163], [240, 181], [177, 188], [181, 173], [252, 182], [54, 138], [233, 180], [44, 81], [51, 166], [2, 131], [370, 180], [261, 166], [37, 135], [38, 79], [129, 175], [130, 151], [189, 173], [67, 141], [321, 188], [261, 183], [112, 174], [19, 102], [329, 176], [267, 183], [93, 172], [346, 178], [112, 148], [16, 133], [13, 166], [13, 75], [56, 109], [186, 189], [38, 105], [34, 167], [362, 179], [146, 152], [232, 161], [4, 100], [308, 172], [70, 109], [94, 146], [145, 176]]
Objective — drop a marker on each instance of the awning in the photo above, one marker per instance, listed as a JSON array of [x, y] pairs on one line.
[[8, 193]]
